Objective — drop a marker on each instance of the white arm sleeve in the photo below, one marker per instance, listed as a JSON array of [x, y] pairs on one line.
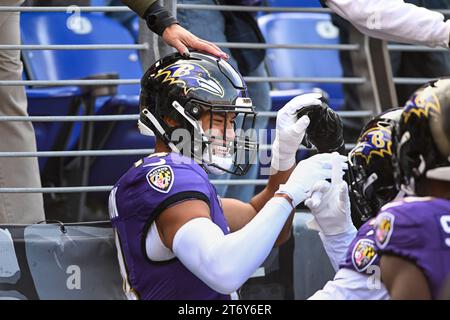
[[336, 246], [395, 20], [351, 285], [225, 262]]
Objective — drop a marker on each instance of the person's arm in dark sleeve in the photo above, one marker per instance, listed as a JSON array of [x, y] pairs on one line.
[[157, 17], [161, 21]]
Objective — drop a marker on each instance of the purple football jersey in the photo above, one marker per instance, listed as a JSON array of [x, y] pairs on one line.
[[418, 229], [140, 195], [362, 252]]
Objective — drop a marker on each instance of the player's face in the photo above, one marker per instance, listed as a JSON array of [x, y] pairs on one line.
[[219, 126]]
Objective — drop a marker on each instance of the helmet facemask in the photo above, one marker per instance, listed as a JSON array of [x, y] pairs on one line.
[[224, 154], [369, 191], [357, 176], [371, 177], [404, 177]]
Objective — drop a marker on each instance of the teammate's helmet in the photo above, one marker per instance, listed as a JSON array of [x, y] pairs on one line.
[[371, 175], [422, 137], [185, 88]]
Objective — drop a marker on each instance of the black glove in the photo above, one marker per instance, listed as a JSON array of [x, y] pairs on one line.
[[325, 130]]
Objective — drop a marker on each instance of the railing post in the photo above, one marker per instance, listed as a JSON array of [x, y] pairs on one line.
[[372, 62], [384, 78]]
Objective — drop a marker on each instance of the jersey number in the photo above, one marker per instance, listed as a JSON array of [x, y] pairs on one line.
[[445, 224]]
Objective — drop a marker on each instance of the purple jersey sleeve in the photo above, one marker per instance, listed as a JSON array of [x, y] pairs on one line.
[[418, 229], [404, 238], [156, 183], [362, 252]]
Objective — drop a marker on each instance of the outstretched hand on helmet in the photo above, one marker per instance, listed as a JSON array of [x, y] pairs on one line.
[[290, 130], [181, 39]]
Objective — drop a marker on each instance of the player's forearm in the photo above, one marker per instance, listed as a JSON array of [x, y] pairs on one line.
[[275, 179], [336, 246], [238, 214], [395, 20], [259, 201], [225, 262], [286, 232]]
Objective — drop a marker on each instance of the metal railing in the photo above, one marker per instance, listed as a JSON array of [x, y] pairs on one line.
[[348, 80], [362, 47], [143, 46], [258, 182], [133, 117], [70, 9], [179, 6]]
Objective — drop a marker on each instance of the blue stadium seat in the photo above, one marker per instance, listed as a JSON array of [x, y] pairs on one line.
[[122, 135], [51, 102], [62, 28], [293, 3], [303, 28], [98, 3], [135, 29]]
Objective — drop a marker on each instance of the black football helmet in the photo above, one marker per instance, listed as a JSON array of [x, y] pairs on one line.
[[185, 88], [371, 176], [422, 137]]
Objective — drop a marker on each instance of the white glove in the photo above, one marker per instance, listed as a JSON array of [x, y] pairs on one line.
[[307, 173], [448, 44], [330, 203], [290, 131]]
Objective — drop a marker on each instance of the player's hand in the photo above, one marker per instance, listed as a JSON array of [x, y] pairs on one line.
[[290, 130], [181, 39], [307, 173], [330, 202]]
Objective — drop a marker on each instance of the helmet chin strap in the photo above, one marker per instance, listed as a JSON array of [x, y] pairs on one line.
[[400, 195], [409, 189]]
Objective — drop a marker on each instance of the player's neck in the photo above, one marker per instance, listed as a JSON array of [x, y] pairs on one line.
[[161, 147], [434, 188]]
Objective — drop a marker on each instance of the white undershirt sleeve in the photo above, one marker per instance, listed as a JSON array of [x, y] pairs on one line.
[[336, 246], [395, 20], [351, 285], [225, 262]]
